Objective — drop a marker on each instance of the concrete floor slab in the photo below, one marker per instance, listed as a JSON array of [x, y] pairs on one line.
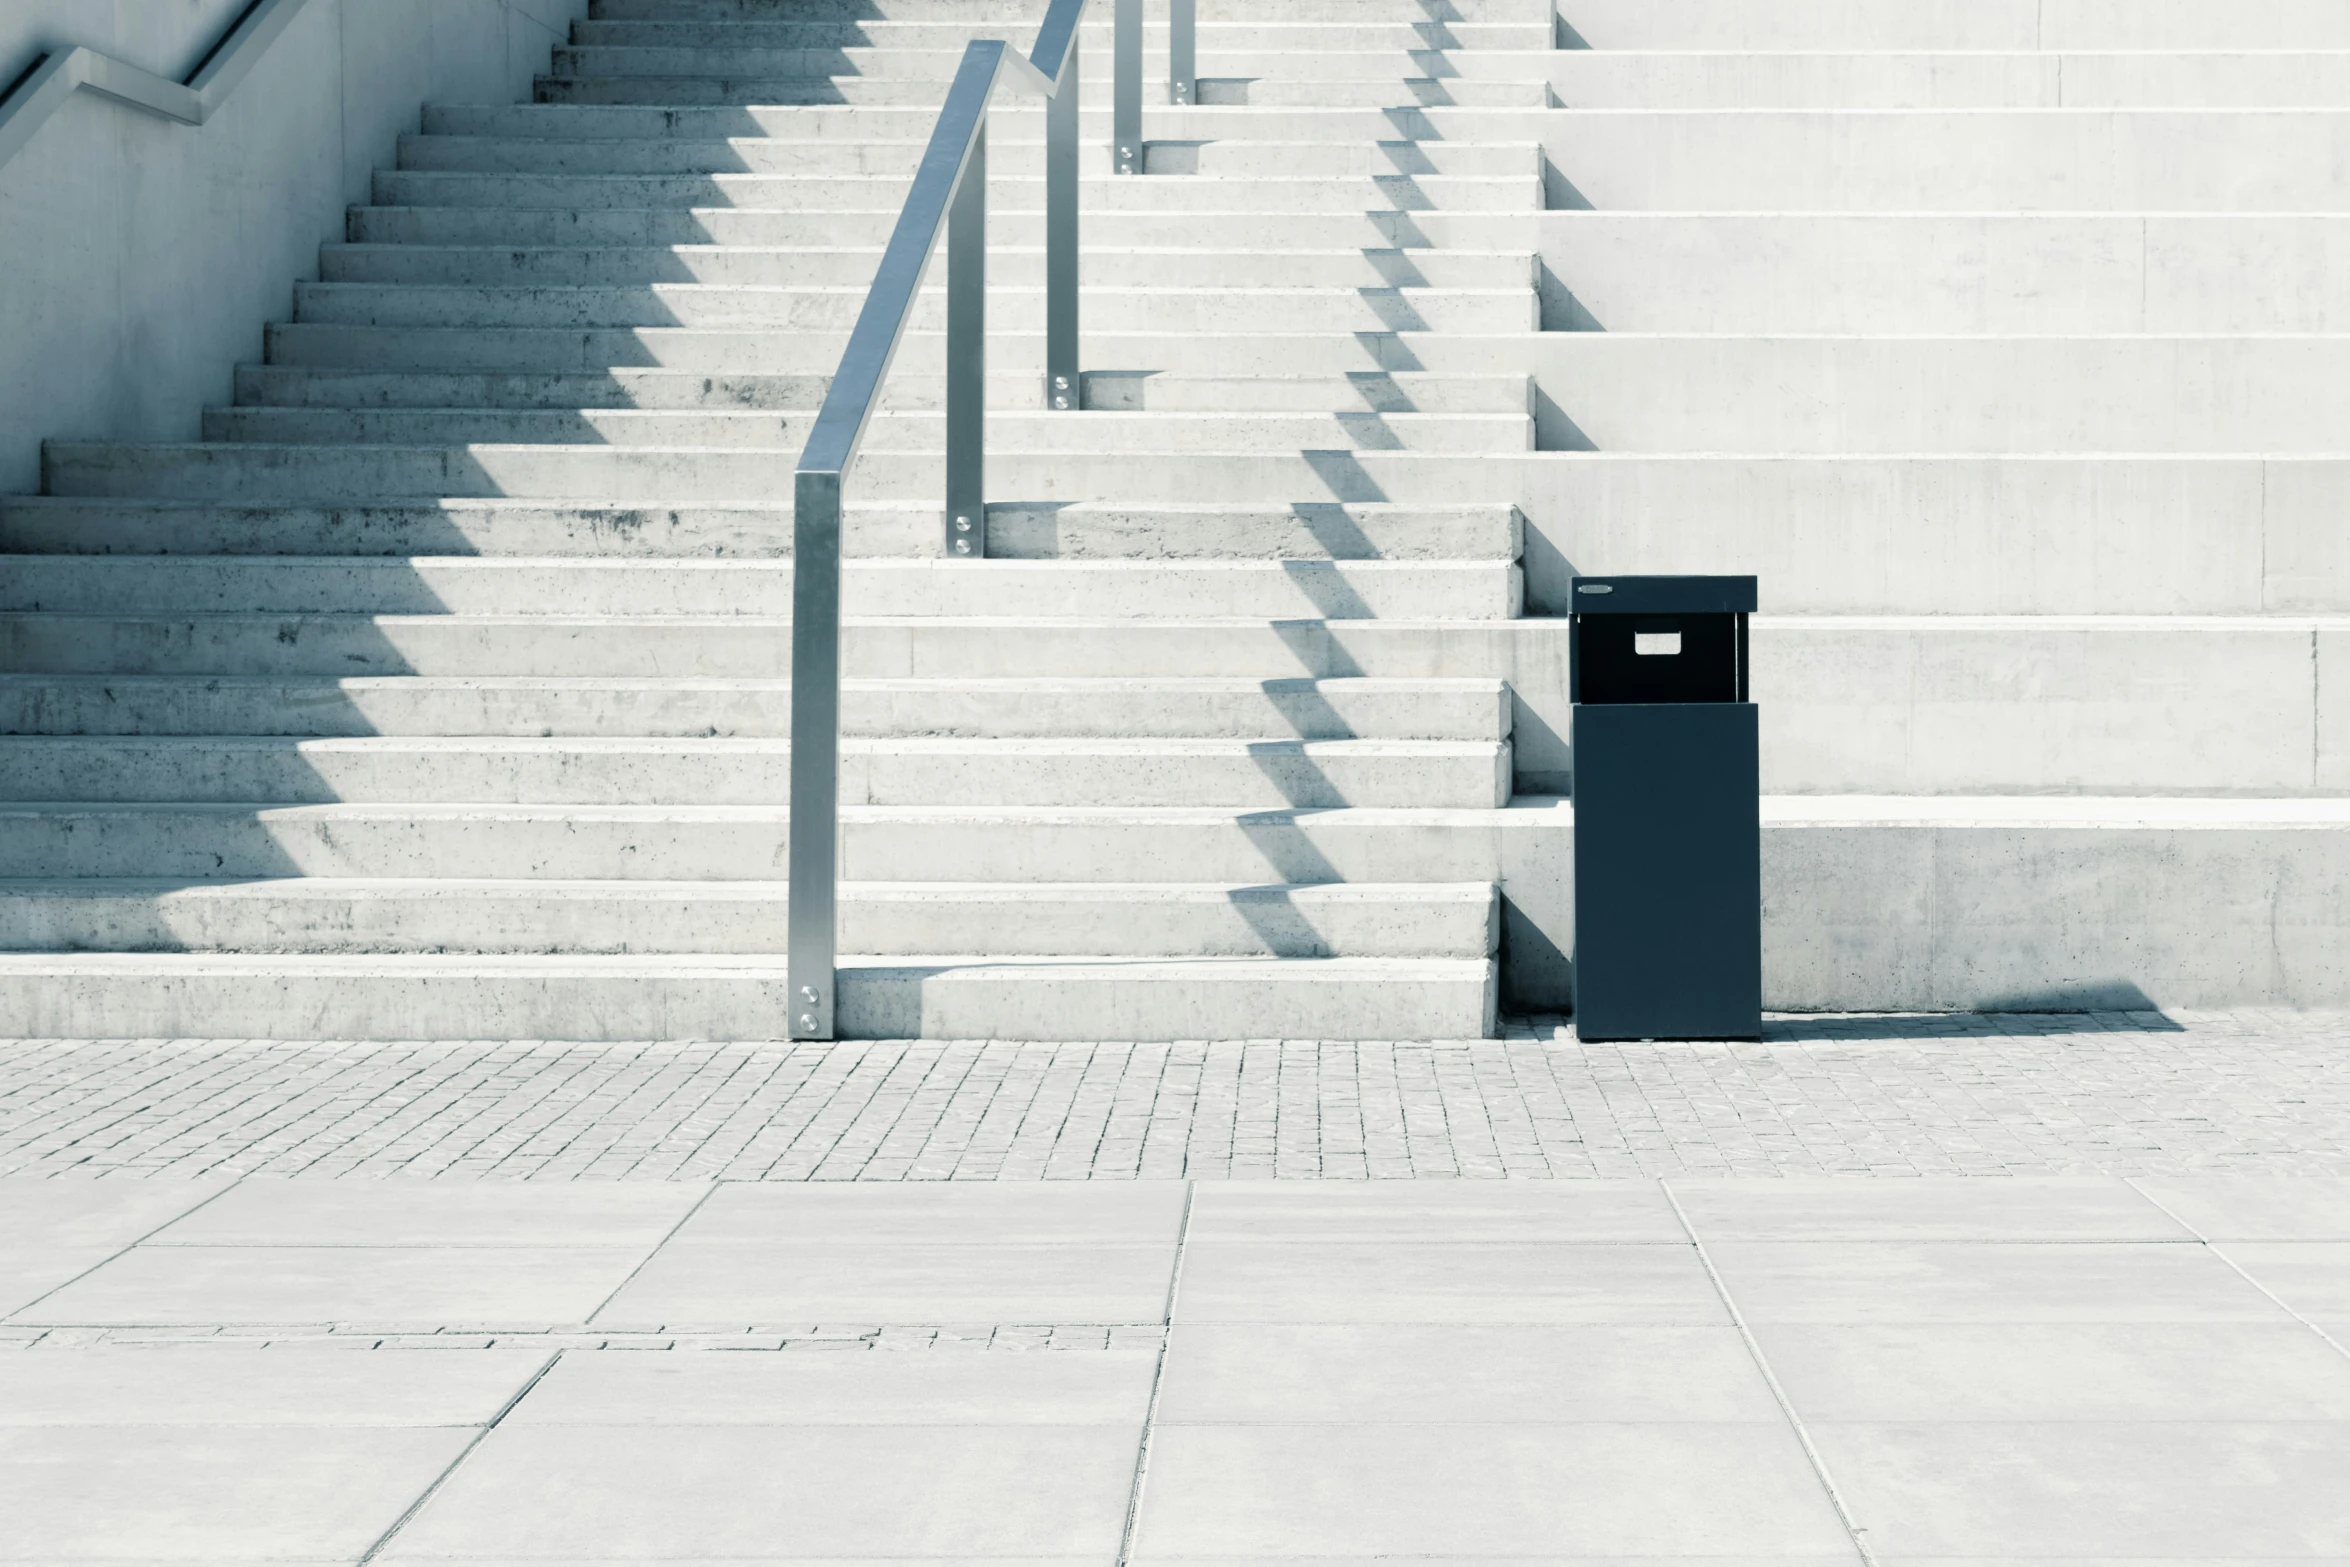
[[215, 1389], [1809, 1281], [437, 1213], [2256, 1208], [2094, 1208], [1493, 1375], [1111, 1387], [622, 1493], [1302, 1282], [175, 1493], [1299, 1492], [2042, 1371], [2310, 1277], [731, 1283], [428, 1285], [942, 1213], [1418, 1212], [2200, 1490], [29, 1272], [96, 1213]]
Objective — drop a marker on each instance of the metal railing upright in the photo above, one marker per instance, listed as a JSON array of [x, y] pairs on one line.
[[950, 193]]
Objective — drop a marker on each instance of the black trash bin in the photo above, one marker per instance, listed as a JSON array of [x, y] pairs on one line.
[[1668, 827]]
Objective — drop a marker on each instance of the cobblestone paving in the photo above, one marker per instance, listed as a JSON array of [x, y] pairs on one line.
[[2119, 1094]]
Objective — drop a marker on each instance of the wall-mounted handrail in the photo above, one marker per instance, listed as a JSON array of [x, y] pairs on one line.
[[949, 192], [56, 77]]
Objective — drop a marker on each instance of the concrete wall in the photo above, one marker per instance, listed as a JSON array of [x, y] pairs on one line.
[[142, 258]]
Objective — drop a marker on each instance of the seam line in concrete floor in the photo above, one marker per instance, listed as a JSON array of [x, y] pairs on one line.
[[464, 1453], [2221, 1252], [1762, 1364], [1150, 1416]]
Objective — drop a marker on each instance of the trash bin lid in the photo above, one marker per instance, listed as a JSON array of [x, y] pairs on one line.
[[1663, 596]]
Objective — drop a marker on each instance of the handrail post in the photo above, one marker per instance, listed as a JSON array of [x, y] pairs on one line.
[[1062, 387], [966, 398], [815, 753], [1126, 92], [1182, 51]]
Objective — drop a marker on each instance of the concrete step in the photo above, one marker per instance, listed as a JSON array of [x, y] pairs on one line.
[[700, 91], [1721, 158], [2021, 79], [897, 159], [1900, 534], [1901, 274], [2143, 706], [1262, 34], [376, 473], [1018, 14], [1323, 54], [103, 995], [893, 770], [671, 843], [759, 648], [2008, 395], [921, 354], [1953, 25], [851, 267], [72, 525], [824, 193], [1375, 226], [522, 706], [884, 919], [1026, 432], [1386, 392], [1014, 121], [708, 307], [621, 586]]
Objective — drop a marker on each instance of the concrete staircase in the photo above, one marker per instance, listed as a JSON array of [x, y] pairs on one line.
[[442, 689]]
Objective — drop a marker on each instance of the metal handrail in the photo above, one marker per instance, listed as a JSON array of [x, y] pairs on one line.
[[950, 191], [42, 90]]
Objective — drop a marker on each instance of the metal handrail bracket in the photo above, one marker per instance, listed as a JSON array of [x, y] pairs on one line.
[[949, 192], [56, 77]]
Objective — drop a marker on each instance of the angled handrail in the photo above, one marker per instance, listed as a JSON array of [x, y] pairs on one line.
[[56, 77], [949, 192]]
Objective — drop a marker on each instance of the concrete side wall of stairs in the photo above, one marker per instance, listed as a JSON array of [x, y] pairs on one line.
[[143, 258]]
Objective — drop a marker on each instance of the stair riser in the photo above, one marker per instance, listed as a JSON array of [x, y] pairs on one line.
[[1025, 433], [714, 845], [1267, 775], [1109, 270], [1014, 1004], [289, 386], [812, 195], [897, 159], [1961, 24], [180, 585], [1331, 711], [1300, 922], [1370, 225], [1783, 161], [915, 372], [1018, 14], [68, 527], [1221, 41], [835, 310], [2020, 396], [546, 645], [2056, 275], [1594, 79], [309, 473], [693, 91], [1323, 55], [1012, 122]]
